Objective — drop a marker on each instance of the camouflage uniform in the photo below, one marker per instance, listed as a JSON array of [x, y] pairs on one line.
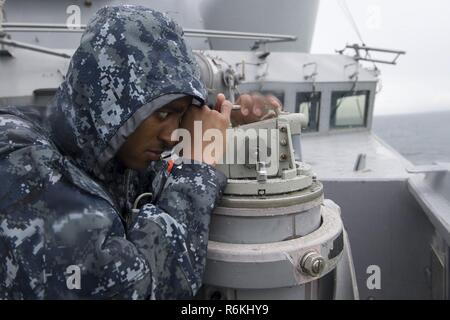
[[66, 201]]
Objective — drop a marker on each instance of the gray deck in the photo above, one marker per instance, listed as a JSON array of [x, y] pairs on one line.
[[333, 157]]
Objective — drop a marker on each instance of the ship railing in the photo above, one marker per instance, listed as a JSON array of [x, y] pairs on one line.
[[8, 27], [362, 52], [53, 27]]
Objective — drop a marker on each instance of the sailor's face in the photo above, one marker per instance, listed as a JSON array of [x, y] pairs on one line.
[[152, 137]]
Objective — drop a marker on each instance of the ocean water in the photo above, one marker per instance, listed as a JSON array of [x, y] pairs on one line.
[[421, 138]]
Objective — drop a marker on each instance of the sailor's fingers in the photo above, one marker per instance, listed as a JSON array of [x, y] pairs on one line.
[[246, 103], [274, 102], [225, 109], [219, 101]]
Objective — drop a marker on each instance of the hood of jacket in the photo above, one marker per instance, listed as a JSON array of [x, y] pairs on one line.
[[131, 61]]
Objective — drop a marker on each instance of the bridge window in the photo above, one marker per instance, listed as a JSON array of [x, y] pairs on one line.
[[308, 103], [278, 94], [349, 109]]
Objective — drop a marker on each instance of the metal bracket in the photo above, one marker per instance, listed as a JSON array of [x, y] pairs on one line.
[[437, 167], [313, 74]]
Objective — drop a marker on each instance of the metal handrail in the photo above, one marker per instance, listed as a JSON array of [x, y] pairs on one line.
[[53, 27], [367, 50], [23, 45]]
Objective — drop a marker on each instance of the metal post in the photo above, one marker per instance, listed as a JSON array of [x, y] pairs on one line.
[[2, 3]]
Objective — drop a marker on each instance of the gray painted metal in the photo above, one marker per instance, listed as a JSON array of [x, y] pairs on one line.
[[17, 44], [274, 201], [264, 225], [439, 268], [25, 82], [202, 33], [273, 265], [391, 215], [283, 16], [192, 14], [287, 67], [388, 229], [272, 186], [432, 192], [276, 233], [187, 13], [345, 286]]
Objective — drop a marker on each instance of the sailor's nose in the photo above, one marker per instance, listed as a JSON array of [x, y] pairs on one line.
[[166, 132]]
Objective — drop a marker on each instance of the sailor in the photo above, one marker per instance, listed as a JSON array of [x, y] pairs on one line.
[[68, 186]]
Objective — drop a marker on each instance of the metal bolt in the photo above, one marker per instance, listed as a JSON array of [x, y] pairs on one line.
[[312, 264], [283, 157], [283, 142], [283, 129], [318, 266]]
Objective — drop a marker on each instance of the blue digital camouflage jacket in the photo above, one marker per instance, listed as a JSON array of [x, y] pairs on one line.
[[66, 226]]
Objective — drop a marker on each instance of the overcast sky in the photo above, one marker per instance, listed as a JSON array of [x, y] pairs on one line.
[[420, 81]]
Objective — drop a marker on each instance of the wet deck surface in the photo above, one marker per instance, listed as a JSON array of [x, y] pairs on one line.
[[334, 156]]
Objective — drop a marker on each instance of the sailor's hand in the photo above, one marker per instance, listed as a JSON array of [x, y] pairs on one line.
[[255, 107], [218, 119]]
